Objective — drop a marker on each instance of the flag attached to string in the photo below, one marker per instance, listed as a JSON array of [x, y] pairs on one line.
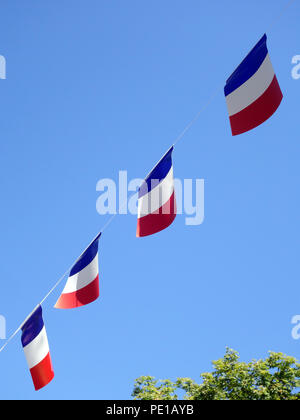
[[82, 286], [157, 203], [36, 348], [252, 91]]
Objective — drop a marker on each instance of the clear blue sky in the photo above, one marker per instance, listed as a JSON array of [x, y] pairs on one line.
[[94, 87]]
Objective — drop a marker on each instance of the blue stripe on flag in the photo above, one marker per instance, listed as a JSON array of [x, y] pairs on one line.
[[87, 257], [32, 327], [158, 174], [248, 67]]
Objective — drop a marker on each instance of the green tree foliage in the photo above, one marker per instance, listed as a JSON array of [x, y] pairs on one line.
[[275, 378]]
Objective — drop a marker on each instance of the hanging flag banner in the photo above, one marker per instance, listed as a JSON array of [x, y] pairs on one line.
[[36, 348], [82, 286], [252, 91], [157, 203]]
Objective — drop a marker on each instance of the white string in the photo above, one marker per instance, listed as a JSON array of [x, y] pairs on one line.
[[183, 133], [108, 222], [279, 16], [196, 118]]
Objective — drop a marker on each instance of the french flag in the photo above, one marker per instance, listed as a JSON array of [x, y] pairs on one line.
[[82, 286], [252, 91], [157, 203], [36, 348]]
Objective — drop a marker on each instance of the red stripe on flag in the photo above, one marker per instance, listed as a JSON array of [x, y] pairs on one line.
[[42, 373], [259, 111], [84, 296], [158, 221]]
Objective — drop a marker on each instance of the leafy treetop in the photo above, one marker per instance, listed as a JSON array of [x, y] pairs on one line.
[[275, 378]]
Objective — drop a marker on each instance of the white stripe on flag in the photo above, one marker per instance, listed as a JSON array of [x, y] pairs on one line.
[[251, 90], [37, 350], [83, 278], [157, 197]]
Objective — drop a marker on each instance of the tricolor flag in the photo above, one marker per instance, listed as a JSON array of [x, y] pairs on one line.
[[252, 91], [82, 286], [36, 348], [157, 204]]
